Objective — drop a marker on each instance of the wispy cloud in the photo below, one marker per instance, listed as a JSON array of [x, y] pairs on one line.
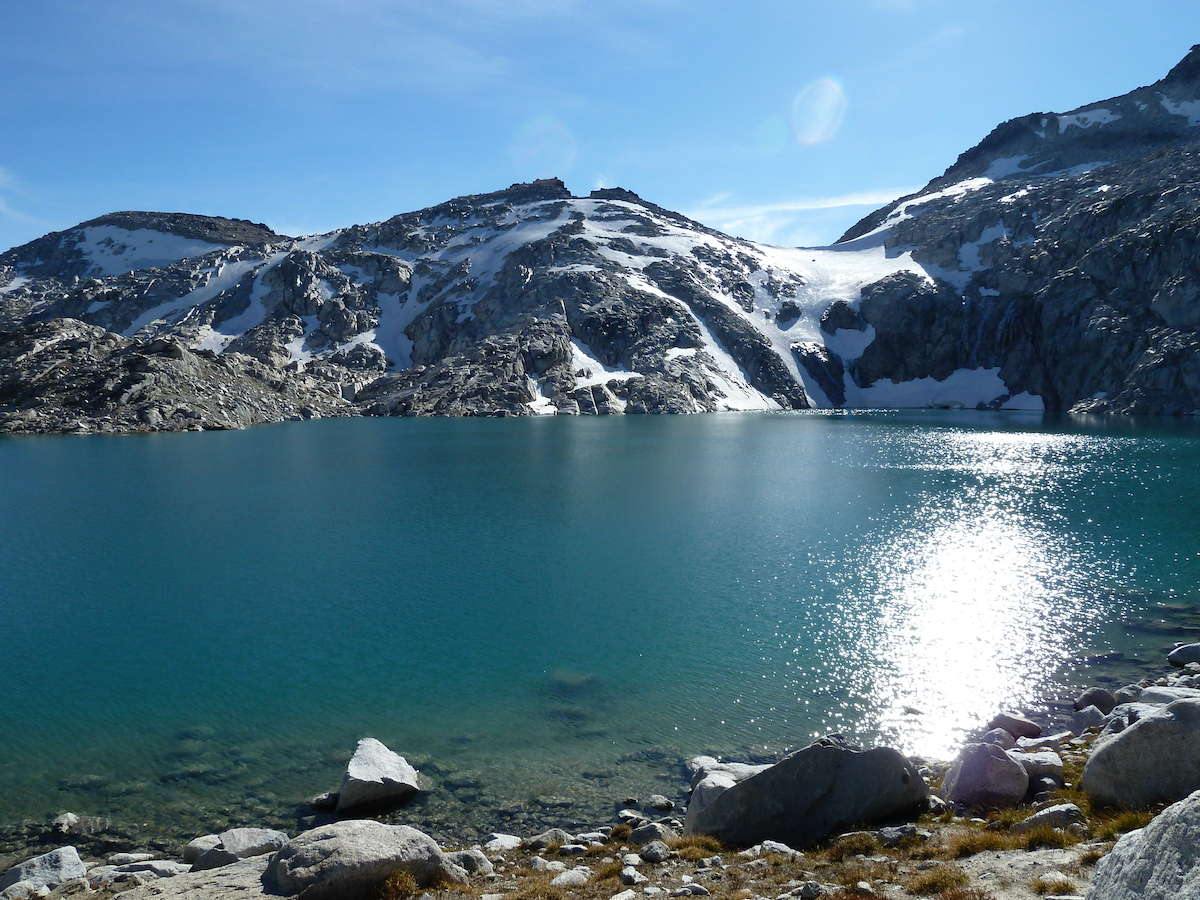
[[803, 221], [11, 186]]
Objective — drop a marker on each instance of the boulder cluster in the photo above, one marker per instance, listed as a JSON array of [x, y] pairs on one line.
[[1136, 748]]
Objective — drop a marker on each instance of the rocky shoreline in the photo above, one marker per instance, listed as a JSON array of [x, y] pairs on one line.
[[1023, 811]]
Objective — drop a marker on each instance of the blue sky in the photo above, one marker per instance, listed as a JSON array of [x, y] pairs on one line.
[[782, 122]]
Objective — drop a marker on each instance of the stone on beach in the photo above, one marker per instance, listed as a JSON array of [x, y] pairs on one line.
[[552, 836], [1000, 738], [498, 843], [1088, 717], [473, 861], [1017, 726], [652, 832], [1059, 816], [1184, 654], [985, 775], [349, 859], [199, 846], [244, 842], [1097, 697], [47, 870], [1158, 862], [812, 793], [376, 775], [655, 852], [1040, 763], [571, 878], [1156, 759]]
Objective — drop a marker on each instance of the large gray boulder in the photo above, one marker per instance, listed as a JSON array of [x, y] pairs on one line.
[[376, 775], [47, 870], [1158, 862], [810, 794], [350, 859], [1154, 760], [985, 775]]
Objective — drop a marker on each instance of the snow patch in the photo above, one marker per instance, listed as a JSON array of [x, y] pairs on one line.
[[590, 371], [541, 405], [849, 343], [1086, 119], [968, 253], [1024, 400], [1189, 108], [96, 306], [17, 282], [1005, 166], [220, 278], [964, 389], [118, 251], [224, 333]]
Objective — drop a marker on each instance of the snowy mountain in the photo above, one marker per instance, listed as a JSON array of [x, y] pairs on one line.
[[1053, 266]]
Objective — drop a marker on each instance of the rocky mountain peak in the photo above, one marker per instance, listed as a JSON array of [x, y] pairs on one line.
[[1185, 74]]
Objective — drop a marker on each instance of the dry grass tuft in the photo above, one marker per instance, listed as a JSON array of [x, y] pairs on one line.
[[400, 885], [1112, 825], [971, 842], [1055, 884], [937, 881], [1046, 837], [537, 888], [619, 833], [853, 844]]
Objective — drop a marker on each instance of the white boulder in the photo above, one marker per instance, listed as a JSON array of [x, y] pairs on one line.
[[47, 870], [376, 775]]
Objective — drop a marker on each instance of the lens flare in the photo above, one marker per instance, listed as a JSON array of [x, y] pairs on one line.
[[817, 111], [543, 147]]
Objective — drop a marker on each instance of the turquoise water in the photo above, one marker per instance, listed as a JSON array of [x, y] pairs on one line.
[[548, 615]]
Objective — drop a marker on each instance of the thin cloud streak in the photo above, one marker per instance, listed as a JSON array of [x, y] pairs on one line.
[[805, 222], [861, 198]]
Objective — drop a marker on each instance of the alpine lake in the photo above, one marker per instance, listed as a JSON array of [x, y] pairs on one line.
[[548, 615]]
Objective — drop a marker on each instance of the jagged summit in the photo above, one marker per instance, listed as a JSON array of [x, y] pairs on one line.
[[1185, 73]]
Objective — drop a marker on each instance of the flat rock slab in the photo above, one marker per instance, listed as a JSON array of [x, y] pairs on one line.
[[240, 881]]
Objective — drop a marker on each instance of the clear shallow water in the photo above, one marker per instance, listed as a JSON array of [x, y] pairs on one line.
[[547, 615]]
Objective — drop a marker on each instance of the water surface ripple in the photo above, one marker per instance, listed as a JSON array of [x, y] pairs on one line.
[[546, 615]]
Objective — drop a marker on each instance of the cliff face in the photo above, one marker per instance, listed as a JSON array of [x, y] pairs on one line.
[[1063, 249], [1054, 266]]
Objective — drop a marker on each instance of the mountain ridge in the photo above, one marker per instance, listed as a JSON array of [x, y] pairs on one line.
[[1052, 266]]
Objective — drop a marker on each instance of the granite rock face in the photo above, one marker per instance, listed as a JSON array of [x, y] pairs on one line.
[[1158, 862]]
